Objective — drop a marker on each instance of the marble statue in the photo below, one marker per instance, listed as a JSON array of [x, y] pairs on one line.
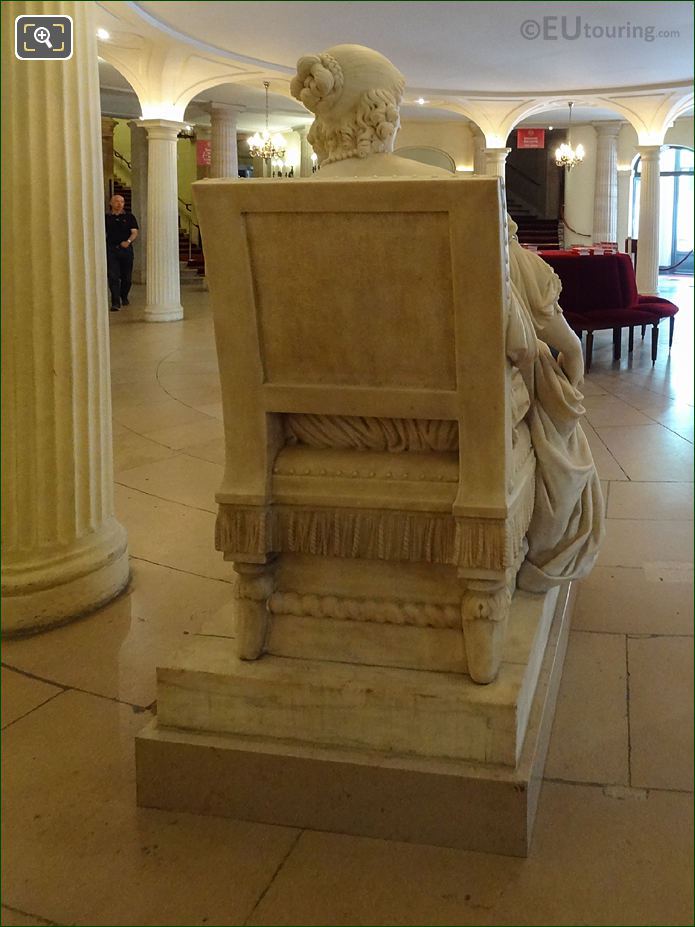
[[406, 488], [355, 93]]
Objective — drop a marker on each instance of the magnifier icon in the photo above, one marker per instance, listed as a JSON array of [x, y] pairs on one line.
[[43, 36]]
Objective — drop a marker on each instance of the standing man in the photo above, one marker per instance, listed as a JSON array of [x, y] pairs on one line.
[[121, 232]]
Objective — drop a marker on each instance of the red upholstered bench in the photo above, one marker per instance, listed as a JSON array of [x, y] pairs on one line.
[[599, 292]]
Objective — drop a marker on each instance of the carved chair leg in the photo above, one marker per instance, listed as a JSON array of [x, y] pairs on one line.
[[484, 612], [631, 340], [256, 584], [671, 324], [655, 342], [644, 331], [617, 343], [589, 350]]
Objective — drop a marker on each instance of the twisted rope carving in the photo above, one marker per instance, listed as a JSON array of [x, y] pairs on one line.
[[376, 611]]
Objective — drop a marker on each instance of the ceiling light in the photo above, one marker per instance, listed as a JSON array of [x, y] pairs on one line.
[[103, 34], [565, 155], [264, 145], [550, 128], [421, 101]]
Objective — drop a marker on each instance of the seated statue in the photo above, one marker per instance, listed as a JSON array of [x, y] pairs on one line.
[[355, 94]]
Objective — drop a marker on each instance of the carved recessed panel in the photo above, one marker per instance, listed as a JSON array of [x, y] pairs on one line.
[[364, 299]]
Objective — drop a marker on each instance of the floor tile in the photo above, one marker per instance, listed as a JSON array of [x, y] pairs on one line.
[[10, 918], [617, 858], [179, 436], [649, 452], [154, 416], [661, 712], [607, 466], [21, 694], [675, 417], [631, 600], [337, 879], [639, 542], [651, 500], [83, 853], [115, 651], [589, 741], [132, 450], [170, 534], [187, 480], [596, 860], [214, 451], [609, 410]]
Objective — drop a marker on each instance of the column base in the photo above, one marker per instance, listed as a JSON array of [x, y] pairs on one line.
[[68, 587], [163, 313]]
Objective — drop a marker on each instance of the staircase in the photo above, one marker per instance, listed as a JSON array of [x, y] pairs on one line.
[[543, 233], [192, 260]]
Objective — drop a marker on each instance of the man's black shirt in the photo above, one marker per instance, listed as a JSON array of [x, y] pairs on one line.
[[118, 227]]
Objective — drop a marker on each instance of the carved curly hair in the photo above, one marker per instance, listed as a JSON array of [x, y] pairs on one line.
[[370, 127]]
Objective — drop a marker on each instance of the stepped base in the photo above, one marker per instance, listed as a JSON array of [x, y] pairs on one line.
[[477, 806]]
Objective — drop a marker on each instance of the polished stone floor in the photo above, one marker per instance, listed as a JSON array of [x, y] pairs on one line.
[[613, 841]]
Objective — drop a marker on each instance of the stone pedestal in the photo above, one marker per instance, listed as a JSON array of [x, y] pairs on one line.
[[223, 122], [495, 160], [138, 160], [212, 748], [648, 233], [605, 226], [64, 553], [163, 278]]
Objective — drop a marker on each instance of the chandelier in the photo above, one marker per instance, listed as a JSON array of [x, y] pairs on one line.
[[565, 155], [265, 145]]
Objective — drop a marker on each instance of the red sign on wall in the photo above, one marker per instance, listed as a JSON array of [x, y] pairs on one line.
[[530, 138], [203, 153]]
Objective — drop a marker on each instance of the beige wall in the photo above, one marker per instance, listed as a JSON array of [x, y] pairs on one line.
[[454, 138], [579, 188]]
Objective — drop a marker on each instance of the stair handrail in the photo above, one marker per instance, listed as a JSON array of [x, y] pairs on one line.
[[188, 218], [122, 158], [523, 174], [568, 226]]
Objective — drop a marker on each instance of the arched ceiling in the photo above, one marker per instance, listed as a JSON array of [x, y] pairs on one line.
[[455, 47]]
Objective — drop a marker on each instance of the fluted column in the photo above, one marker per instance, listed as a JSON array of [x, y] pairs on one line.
[[108, 124], [163, 279], [648, 232], [495, 159], [64, 552], [479, 161], [606, 185], [138, 160], [305, 164], [223, 123]]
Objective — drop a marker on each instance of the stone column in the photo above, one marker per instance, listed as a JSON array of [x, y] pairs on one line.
[[479, 163], [495, 159], [648, 232], [108, 124], [624, 194], [305, 163], [138, 160], [605, 226], [163, 280], [223, 120], [64, 552]]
